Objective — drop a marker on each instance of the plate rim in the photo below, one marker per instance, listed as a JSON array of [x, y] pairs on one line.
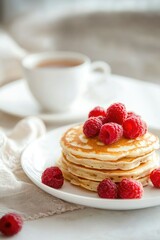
[[104, 203]]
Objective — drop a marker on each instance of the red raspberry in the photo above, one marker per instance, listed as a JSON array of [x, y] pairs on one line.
[[110, 133], [132, 114], [92, 127], [130, 188], [97, 111], [134, 127], [144, 129], [107, 189], [10, 224], [103, 119], [155, 177], [116, 113], [53, 177]]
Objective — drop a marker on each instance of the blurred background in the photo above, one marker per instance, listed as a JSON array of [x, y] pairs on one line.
[[125, 33]]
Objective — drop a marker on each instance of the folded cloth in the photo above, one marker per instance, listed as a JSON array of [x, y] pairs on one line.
[[17, 193]]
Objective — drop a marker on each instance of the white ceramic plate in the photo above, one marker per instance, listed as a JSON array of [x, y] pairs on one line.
[[16, 99], [45, 152]]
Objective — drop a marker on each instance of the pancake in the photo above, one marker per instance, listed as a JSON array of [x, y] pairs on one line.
[[116, 175], [90, 184], [123, 164], [75, 142], [85, 162]]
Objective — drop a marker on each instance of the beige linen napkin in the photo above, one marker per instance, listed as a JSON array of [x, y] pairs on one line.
[[17, 192]]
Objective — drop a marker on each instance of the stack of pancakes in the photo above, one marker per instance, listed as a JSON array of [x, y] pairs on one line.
[[87, 161]]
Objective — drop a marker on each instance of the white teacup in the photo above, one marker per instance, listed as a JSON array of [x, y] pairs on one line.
[[57, 79]]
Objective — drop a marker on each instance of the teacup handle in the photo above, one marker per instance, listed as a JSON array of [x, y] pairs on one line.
[[100, 66]]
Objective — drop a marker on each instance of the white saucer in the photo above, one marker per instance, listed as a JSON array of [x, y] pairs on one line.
[[46, 151], [16, 99]]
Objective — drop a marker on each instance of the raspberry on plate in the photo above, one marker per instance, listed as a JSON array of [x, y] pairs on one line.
[[10, 224], [97, 111], [155, 177], [130, 188], [53, 177], [116, 113], [92, 127], [134, 127], [110, 133], [107, 189]]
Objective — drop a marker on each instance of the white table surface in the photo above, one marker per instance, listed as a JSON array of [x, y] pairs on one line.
[[94, 224], [102, 224]]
